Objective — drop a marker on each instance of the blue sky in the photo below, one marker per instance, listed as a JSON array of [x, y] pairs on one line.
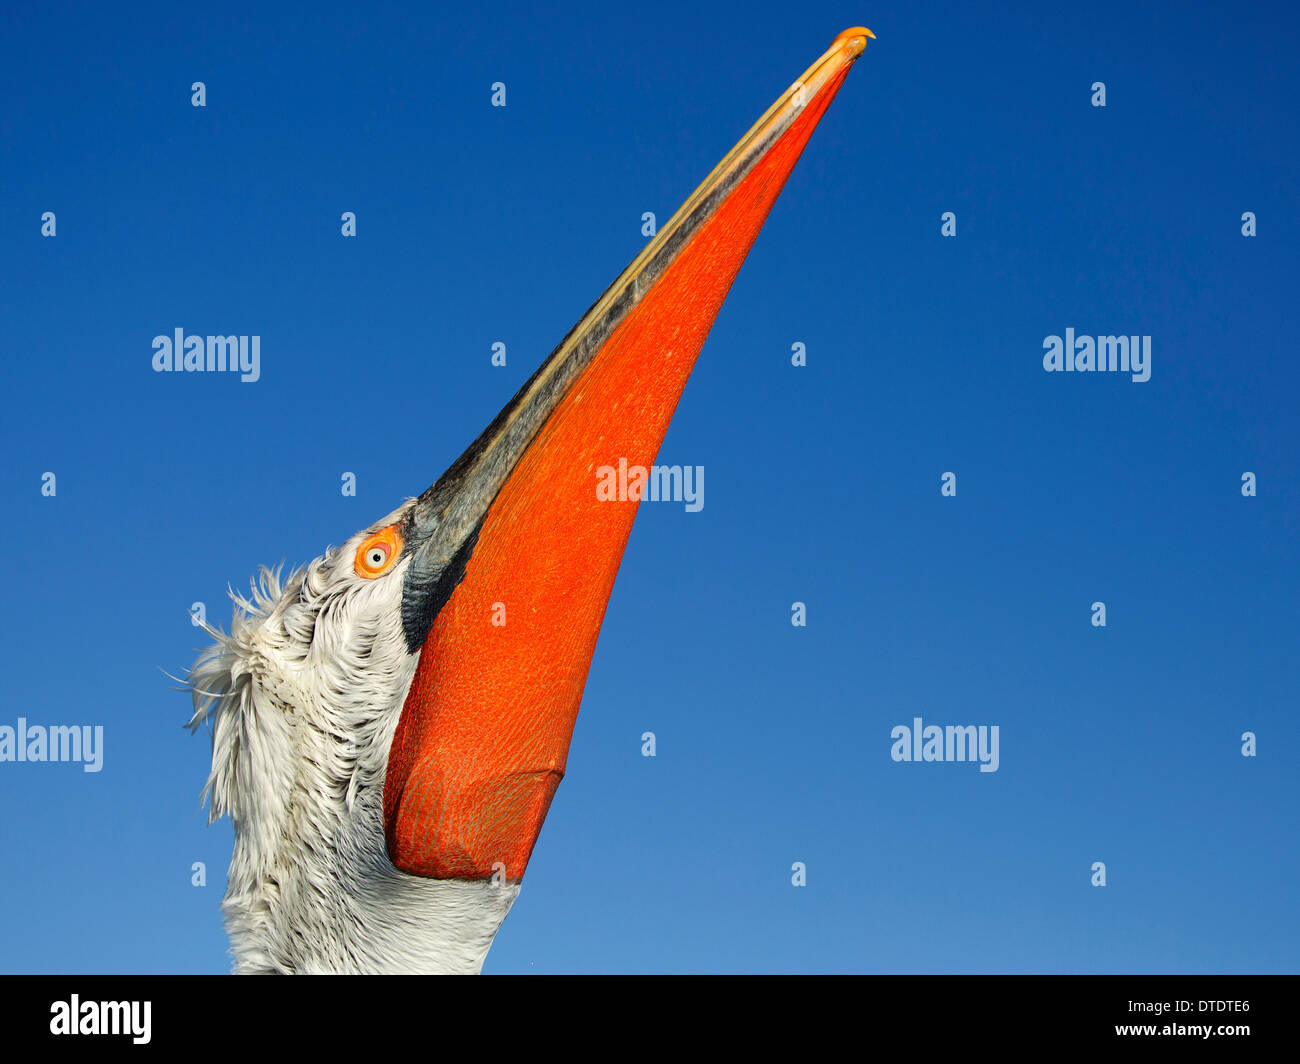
[[478, 224]]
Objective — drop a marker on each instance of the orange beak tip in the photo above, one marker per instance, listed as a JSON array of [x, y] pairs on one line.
[[855, 38]]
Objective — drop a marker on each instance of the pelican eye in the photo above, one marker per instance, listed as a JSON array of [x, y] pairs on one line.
[[378, 552]]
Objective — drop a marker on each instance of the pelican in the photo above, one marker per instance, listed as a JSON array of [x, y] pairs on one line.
[[387, 753]]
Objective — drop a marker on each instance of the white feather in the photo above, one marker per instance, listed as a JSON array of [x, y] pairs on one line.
[[302, 698]]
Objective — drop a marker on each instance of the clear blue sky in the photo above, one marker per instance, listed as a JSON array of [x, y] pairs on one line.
[[478, 225]]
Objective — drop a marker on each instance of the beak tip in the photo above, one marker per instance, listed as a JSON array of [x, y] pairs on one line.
[[855, 39]]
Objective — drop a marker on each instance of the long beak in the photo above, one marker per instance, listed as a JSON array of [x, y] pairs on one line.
[[514, 554]]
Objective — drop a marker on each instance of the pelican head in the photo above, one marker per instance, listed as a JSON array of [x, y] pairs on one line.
[[390, 722]]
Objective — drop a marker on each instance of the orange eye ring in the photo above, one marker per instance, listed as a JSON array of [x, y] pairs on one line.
[[377, 553]]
